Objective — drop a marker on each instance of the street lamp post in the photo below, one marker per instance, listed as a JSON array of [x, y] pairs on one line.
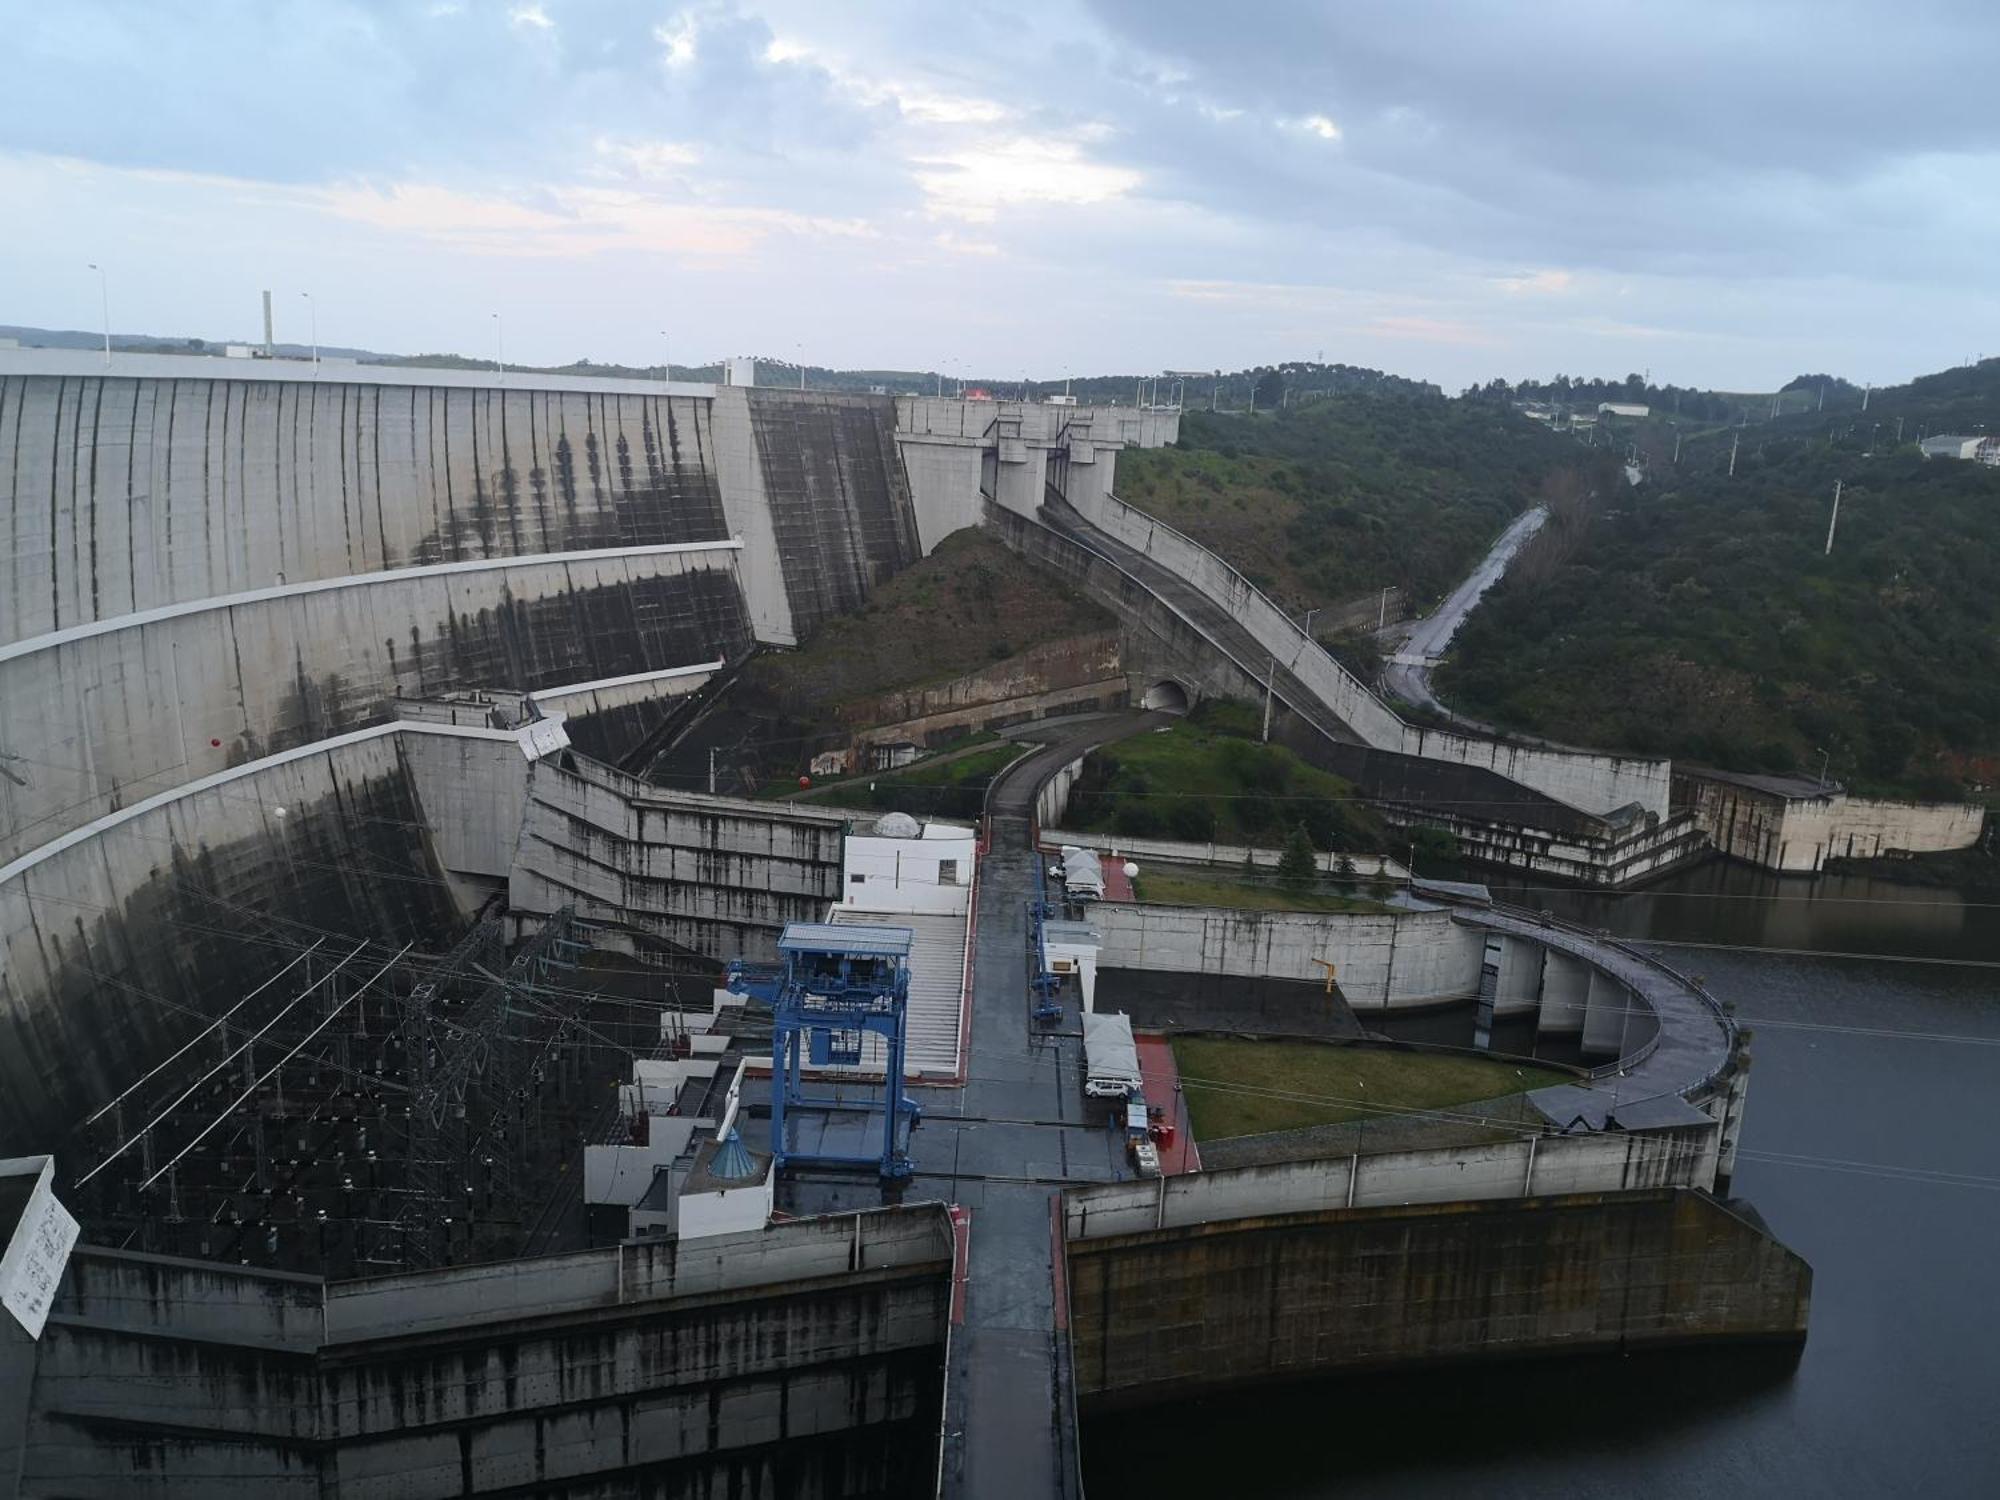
[[104, 305], [667, 349], [500, 347], [312, 316], [1309, 620]]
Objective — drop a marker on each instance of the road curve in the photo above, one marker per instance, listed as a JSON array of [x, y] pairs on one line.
[[1407, 674]]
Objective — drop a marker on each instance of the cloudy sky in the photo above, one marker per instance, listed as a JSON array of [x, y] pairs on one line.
[[1721, 193]]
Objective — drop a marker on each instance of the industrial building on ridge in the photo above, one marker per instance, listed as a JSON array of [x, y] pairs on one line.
[[403, 1095]]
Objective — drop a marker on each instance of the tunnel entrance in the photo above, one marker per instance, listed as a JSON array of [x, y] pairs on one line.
[[1168, 695]]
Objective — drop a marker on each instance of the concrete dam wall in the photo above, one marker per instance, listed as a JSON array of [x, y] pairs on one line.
[[216, 568], [802, 1360], [114, 947]]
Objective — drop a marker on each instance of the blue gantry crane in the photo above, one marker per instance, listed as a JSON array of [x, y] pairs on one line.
[[832, 987]]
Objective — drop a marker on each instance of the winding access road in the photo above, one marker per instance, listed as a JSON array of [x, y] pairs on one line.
[[1407, 674]]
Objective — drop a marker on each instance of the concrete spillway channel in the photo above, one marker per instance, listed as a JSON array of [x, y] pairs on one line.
[[1546, 809]]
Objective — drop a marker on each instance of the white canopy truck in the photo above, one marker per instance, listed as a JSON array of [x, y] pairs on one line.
[[1110, 1057], [1083, 873]]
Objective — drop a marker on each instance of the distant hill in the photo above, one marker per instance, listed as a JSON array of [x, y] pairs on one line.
[[1699, 616]]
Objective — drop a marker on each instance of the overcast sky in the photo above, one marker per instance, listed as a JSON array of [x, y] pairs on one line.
[[1723, 194]]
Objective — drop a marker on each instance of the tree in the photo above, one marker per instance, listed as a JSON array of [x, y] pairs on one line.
[[1270, 390], [1297, 865]]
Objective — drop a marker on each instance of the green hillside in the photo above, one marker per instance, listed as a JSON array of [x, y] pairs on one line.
[[1699, 617], [1340, 497]]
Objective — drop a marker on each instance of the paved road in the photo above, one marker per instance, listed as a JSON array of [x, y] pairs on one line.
[[1008, 1402], [1408, 672]]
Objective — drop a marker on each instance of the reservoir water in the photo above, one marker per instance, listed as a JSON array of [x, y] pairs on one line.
[[1872, 1148]]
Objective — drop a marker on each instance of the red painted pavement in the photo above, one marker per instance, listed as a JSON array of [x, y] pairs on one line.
[[961, 1249], [1162, 1084], [1117, 884]]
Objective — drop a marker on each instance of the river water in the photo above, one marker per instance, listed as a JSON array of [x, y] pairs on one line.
[[1874, 1079]]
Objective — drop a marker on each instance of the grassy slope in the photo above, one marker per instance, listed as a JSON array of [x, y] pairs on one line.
[[1344, 496], [1205, 888], [1207, 778], [1354, 1082], [969, 604], [1702, 620], [948, 786]]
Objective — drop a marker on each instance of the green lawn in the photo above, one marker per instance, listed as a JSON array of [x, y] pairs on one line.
[[1324, 1085], [1264, 894], [1207, 778]]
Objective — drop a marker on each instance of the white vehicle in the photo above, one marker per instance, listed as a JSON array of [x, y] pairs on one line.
[[1110, 1057]]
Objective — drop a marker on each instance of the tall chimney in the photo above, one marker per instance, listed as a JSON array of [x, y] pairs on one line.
[[267, 325]]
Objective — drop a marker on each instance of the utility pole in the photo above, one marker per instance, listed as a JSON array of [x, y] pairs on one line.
[[1382, 612], [1899, 432], [1269, 677], [1833, 521], [1822, 395], [1677, 447], [667, 353], [711, 770], [1732, 453], [500, 347], [104, 302], [312, 311], [1866, 392]]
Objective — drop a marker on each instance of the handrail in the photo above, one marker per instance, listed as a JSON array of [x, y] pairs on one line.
[[1731, 1031]]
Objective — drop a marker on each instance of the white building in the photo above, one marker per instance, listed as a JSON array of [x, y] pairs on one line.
[[1623, 409], [905, 867], [1972, 447]]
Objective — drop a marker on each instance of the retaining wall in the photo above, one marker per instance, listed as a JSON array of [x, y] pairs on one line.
[[1383, 961], [804, 1359], [1167, 1312]]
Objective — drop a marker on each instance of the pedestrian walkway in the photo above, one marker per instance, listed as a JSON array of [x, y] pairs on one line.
[[1162, 1079]]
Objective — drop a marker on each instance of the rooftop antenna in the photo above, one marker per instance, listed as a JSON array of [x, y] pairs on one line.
[[1832, 521]]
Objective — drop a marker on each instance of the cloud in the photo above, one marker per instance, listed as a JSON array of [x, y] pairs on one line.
[[1441, 189], [960, 245], [648, 160], [568, 220], [977, 181], [1537, 283], [1432, 330]]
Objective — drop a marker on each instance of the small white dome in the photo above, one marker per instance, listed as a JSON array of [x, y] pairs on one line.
[[897, 825]]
